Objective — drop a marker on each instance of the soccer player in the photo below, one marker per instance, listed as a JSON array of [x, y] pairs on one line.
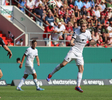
[[7, 49], [77, 42], [30, 54]]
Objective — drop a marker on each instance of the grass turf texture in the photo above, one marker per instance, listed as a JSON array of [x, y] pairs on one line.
[[56, 93]]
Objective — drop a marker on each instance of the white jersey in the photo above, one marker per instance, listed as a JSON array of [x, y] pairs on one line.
[[30, 55], [55, 36], [30, 4], [80, 41], [19, 43]]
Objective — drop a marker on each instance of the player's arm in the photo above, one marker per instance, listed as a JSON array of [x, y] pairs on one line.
[[21, 64], [92, 42], [72, 42], [73, 39], [8, 50], [38, 61]]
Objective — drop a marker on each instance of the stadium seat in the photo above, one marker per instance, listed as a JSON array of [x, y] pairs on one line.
[[52, 45], [6, 40]]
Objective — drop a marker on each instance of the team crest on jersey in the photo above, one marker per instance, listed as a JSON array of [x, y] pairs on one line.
[[68, 58]]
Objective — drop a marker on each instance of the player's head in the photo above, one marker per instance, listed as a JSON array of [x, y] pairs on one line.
[[34, 44], [83, 24], [21, 40]]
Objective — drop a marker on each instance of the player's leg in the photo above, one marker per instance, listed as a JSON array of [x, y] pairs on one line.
[[67, 59], [36, 82], [22, 82], [80, 73], [1, 74], [79, 63], [57, 68]]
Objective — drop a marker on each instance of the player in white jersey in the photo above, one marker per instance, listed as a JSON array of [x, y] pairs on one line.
[[30, 54], [77, 42]]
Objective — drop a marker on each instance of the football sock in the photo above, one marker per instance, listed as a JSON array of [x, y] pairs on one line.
[[21, 82], [36, 83], [56, 69], [79, 78]]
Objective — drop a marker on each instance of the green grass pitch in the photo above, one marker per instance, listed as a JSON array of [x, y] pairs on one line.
[[56, 93]]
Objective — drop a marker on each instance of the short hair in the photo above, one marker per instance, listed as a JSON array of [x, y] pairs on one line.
[[33, 41], [96, 6], [21, 39], [83, 21]]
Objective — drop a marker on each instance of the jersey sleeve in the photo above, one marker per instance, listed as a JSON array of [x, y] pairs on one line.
[[2, 42], [89, 36], [27, 51], [74, 35]]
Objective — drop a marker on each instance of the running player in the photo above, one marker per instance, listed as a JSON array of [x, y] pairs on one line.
[[30, 54], [7, 49], [77, 42]]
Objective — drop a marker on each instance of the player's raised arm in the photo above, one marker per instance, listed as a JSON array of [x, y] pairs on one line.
[[20, 66], [38, 61]]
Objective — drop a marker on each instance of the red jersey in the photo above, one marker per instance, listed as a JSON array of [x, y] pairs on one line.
[[70, 12], [61, 13]]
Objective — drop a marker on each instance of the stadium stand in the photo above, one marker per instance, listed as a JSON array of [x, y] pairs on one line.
[[8, 41], [98, 14]]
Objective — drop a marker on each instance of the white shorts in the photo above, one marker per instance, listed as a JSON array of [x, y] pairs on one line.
[[29, 70], [110, 34], [78, 59]]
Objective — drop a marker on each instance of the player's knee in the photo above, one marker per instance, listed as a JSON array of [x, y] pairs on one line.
[[25, 76], [34, 76], [62, 65], [82, 69]]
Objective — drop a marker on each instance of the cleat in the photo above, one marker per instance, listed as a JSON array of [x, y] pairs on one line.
[[78, 89], [40, 89], [19, 89], [49, 77]]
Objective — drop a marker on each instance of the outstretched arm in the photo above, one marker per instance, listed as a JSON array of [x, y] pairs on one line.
[[9, 51]]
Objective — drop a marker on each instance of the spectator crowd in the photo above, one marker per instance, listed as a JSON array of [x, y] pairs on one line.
[[64, 19]]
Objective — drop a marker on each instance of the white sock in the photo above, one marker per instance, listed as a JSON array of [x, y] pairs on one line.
[[79, 78], [56, 69], [21, 82], [36, 83]]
